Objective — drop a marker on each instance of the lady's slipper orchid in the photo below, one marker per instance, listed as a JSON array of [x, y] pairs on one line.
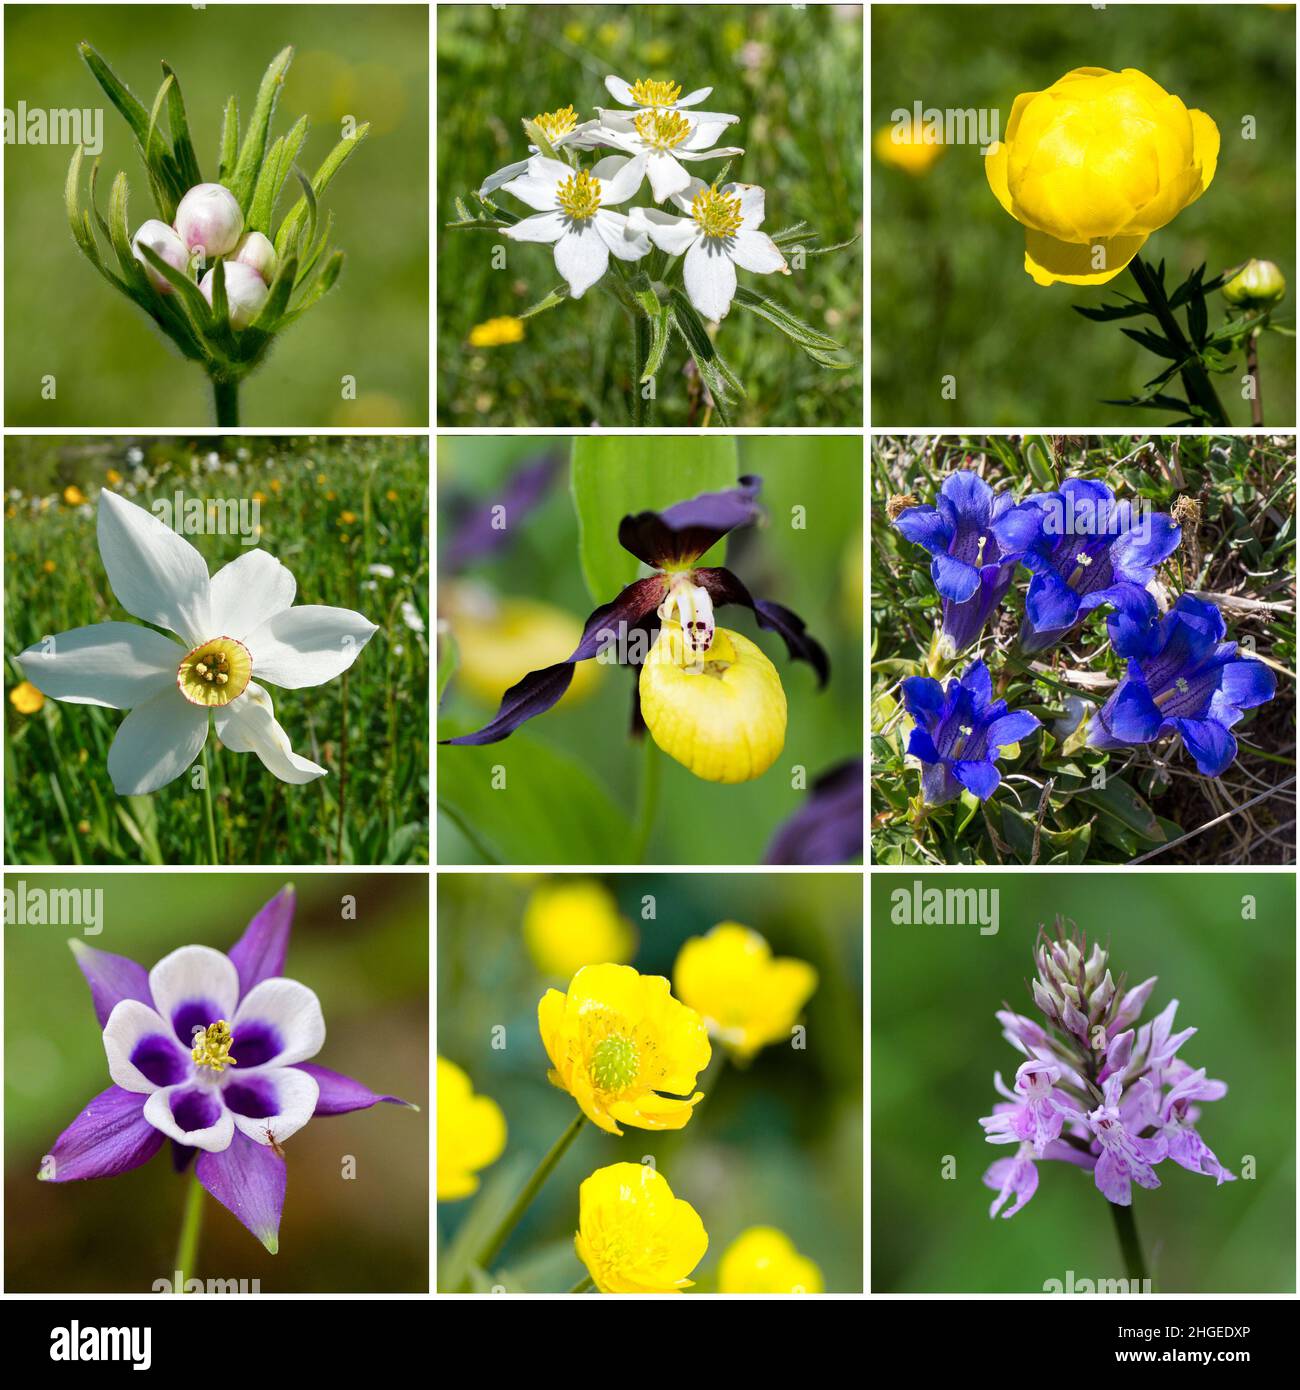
[[634, 1236], [765, 1260], [246, 291], [1183, 678], [664, 138], [212, 1052], [164, 242], [239, 624], [471, 1133], [960, 733], [209, 220]]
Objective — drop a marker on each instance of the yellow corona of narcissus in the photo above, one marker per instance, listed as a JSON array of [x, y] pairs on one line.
[[634, 1236], [764, 1260], [747, 997], [721, 713], [624, 1048], [1095, 164], [569, 923], [471, 1133]]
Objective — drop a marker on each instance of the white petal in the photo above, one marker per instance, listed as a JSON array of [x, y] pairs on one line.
[[248, 725], [710, 278], [308, 645], [756, 251], [723, 151], [277, 1099], [706, 127], [537, 186], [248, 591], [288, 1011], [194, 986], [502, 176], [156, 742], [581, 257], [695, 97], [135, 1030], [619, 177], [118, 665], [619, 90], [199, 1106], [669, 233], [625, 241], [686, 197], [541, 226], [667, 176], [752, 208], [156, 575]]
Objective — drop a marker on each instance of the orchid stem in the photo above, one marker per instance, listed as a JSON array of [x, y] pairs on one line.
[[207, 805], [226, 396], [187, 1248], [1130, 1246], [1196, 380], [583, 1285], [648, 799]]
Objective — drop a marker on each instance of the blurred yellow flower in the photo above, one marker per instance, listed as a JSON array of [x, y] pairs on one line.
[[764, 1260], [83, 827], [259, 496], [113, 477], [907, 150], [25, 698], [569, 923], [74, 496], [634, 1236], [1095, 164], [616, 1039], [391, 495], [275, 485], [49, 566], [331, 496], [746, 997], [471, 1133], [496, 332], [347, 518]]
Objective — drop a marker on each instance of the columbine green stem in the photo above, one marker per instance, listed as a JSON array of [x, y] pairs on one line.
[[1196, 380], [207, 806], [648, 799], [1135, 1264], [226, 396], [187, 1248]]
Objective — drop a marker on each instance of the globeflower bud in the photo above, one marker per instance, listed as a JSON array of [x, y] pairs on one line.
[[209, 219], [1256, 285], [256, 250], [246, 292], [164, 242]]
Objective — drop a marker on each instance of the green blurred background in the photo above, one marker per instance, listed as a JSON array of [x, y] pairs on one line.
[[794, 77], [935, 1046], [113, 366], [367, 1234], [778, 1143], [574, 771], [948, 259]]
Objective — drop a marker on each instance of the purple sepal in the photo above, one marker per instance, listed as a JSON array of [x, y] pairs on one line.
[[111, 979], [182, 1156], [683, 532], [724, 587], [339, 1094], [110, 1137], [478, 530], [827, 828], [248, 1179], [260, 953]]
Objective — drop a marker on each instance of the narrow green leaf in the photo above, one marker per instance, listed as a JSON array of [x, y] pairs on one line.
[[305, 234], [557, 296], [244, 178], [220, 300], [94, 203], [119, 231], [116, 91], [196, 307], [804, 334], [661, 331], [308, 262], [259, 210], [692, 326], [229, 142], [332, 163], [72, 200], [278, 300], [187, 160], [156, 149], [319, 287]]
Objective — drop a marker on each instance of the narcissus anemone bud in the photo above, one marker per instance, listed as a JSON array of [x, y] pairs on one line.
[[209, 218], [257, 251], [719, 711], [164, 242], [246, 292], [1256, 285]]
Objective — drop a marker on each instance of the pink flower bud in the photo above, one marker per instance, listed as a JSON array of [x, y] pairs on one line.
[[256, 250], [164, 242], [246, 291], [209, 219]]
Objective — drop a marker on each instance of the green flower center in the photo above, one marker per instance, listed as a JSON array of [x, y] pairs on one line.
[[615, 1063]]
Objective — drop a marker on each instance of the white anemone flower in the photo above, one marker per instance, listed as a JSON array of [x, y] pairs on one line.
[[563, 129], [664, 139], [647, 95], [238, 624], [573, 212], [719, 233]]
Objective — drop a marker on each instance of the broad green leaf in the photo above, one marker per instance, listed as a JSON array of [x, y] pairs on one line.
[[244, 178], [1119, 801]]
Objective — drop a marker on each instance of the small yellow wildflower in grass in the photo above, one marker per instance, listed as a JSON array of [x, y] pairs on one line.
[[633, 1235], [49, 566], [259, 496], [74, 496], [747, 997], [471, 1133], [496, 332], [347, 518], [331, 496], [25, 698], [909, 151], [113, 477], [764, 1260], [569, 923], [83, 827], [391, 495], [624, 1048], [276, 486]]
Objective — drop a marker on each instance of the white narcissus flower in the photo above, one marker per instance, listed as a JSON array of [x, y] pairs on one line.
[[232, 627], [163, 241], [719, 233], [665, 138], [563, 129], [246, 291], [573, 212], [209, 219]]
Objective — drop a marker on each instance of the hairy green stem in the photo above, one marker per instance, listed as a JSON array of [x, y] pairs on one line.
[[640, 355], [187, 1247], [226, 396], [1196, 380]]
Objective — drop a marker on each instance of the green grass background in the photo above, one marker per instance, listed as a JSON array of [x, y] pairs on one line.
[[949, 291], [935, 1046]]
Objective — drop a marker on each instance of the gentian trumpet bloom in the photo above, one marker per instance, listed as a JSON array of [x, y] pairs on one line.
[[211, 1051], [1183, 678], [209, 221], [960, 732]]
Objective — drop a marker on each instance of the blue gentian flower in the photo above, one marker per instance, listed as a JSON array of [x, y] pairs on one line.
[[1182, 678], [1090, 549], [960, 732], [976, 539]]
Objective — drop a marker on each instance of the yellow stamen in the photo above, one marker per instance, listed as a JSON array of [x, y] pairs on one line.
[[212, 1046], [215, 673], [554, 124], [579, 195], [717, 214], [665, 130], [648, 93]]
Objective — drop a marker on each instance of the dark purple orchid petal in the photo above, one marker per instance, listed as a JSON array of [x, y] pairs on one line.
[[248, 1179], [539, 690], [110, 1137], [828, 827], [260, 953], [479, 530], [724, 587], [340, 1094], [111, 979], [683, 532]]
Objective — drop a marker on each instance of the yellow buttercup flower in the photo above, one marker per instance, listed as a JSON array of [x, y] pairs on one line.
[[907, 150], [74, 496], [25, 698], [1094, 165], [569, 923], [764, 1260], [720, 713], [633, 1235], [496, 333], [471, 1133], [746, 997], [624, 1048]]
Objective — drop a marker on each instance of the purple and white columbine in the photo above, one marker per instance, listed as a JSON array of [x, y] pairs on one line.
[[210, 1051]]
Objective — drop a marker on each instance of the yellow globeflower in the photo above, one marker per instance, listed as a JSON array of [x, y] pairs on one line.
[[1094, 165], [907, 150], [25, 698], [634, 1236], [471, 1133], [617, 1040], [569, 923], [746, 997], [721, 713], [764, 1260]]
